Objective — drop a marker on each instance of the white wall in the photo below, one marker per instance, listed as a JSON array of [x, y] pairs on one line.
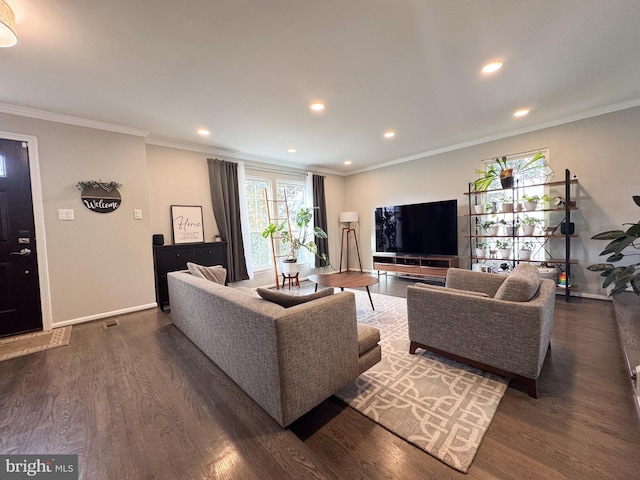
[[181, 177], [99, 264], [603, 151]]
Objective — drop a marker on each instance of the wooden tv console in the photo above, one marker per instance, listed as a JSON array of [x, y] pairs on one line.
[[414, 265]]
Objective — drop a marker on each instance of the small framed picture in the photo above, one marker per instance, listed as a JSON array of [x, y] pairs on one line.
[[186, 223]]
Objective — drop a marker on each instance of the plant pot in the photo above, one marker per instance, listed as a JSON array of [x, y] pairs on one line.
[[524, 254], [530, 205], [506, 178], [478, 208], [528, 230], [511, 231], [290, 267], [507, 208], [493, 230], [505, 252], [482, 252]]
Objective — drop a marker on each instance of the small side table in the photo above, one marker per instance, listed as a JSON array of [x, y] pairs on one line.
[[292, 278]]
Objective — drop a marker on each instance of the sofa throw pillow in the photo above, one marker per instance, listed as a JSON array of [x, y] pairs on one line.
[[216, 273], [520, 285], [287, 300], [449, 289]]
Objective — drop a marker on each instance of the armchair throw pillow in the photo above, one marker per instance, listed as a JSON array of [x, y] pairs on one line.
[[520, 285]]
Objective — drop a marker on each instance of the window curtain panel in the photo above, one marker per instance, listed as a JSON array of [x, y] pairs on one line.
[[320, 217], [225, 198]]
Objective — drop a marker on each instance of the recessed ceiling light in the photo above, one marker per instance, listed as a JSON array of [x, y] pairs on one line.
[[317, 106], [347, 162], [389, 134], [522, 112], [291, 150], [492, 67], [203, 131]]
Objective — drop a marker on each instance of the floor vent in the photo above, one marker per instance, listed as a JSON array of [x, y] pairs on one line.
[[111, 323]]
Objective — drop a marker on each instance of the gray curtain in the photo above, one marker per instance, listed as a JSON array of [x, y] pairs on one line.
[[223, 180], [320, 217]]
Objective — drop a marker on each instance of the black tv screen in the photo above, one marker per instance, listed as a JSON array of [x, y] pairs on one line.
[[421, 228]]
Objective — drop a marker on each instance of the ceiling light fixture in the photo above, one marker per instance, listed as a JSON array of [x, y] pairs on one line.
[[291, 150], [317, 106], [521, 113], [492, 67], [203, 131], [8, 35], [389, 134], [347, 162]]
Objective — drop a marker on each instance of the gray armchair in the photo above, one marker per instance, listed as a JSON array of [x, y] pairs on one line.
[[501, 324]]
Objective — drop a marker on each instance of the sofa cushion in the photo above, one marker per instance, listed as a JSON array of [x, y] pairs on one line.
[[216, 273], [368, 337], [520, 285], [449, 289], [287, 300]]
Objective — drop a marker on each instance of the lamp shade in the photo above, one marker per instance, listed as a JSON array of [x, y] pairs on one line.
[[347, 217], [8, 37]]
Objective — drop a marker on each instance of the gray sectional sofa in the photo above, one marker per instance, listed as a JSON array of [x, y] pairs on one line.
[[287, 359]]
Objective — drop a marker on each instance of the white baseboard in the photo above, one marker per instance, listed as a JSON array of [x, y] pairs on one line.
[[98, 316]]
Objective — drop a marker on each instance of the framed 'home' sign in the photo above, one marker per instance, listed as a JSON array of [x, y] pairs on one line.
[[186, 223]]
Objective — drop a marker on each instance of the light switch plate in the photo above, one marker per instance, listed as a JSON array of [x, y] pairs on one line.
[[66, 214], [137, 213]]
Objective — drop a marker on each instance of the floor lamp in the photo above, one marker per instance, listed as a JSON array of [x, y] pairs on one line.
[[348, 217]]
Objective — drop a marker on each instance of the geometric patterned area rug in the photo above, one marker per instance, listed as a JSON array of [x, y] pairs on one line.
[[19, 345], [439, 405]]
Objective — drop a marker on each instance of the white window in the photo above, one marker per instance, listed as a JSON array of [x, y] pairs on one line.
[[3, 166], [261, 255]]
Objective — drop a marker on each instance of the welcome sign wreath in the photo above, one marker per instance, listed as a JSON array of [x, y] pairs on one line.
[[101, 197]]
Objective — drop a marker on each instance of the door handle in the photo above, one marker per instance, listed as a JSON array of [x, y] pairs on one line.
[[23, 253]]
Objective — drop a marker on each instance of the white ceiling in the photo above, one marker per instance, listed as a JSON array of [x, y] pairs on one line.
[[248, 70]]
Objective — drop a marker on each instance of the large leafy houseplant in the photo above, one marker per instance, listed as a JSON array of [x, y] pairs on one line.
[[300, 236], [620, 276]]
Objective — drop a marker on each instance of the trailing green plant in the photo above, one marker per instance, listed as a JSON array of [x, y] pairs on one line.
[[302, 237], [503, 244], [536, 198], [619, 276], [528, 246], [493, 171], [527, 220]]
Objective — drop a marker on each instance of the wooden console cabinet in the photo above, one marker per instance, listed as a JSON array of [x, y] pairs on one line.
[[414, 265], [170, 258]]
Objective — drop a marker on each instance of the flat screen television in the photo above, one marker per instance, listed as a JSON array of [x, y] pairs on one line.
[[421, 228]]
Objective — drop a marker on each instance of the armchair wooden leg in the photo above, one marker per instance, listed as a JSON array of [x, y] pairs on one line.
[[413, 346], [531, 385]]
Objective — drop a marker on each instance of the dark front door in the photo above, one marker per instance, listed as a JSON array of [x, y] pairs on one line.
[[19, 286]]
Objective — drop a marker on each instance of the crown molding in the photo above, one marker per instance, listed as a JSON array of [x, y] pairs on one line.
[[70, 120], [231, 154], [491, 138]]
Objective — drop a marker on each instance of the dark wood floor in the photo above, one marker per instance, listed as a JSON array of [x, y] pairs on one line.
[[139, 401]]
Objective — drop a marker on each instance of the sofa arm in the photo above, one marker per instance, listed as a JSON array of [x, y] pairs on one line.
[[317, 352]]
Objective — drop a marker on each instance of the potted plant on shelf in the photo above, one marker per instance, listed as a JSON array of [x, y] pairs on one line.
[[294, 240], [531, 201], [502, 171], [511, 229], [525, 251], [620, 277], [479, 209], [504, 248], [482, 250], [529, 225], [507, 204]]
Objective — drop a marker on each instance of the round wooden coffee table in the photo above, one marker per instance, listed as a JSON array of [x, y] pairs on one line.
[[345, 280]]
